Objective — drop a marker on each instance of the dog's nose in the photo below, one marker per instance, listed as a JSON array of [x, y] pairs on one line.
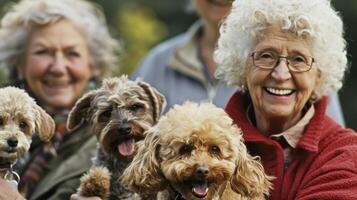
[[202, 171], [125, 129], [12, 142]]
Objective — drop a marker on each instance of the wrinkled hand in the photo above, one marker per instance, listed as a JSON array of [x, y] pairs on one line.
[[78, 197]]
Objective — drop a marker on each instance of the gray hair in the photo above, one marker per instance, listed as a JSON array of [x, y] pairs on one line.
[[313, 19], [17, 24]]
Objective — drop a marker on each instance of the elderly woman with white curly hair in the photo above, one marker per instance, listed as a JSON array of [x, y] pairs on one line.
[[287, 55], [56, 50]]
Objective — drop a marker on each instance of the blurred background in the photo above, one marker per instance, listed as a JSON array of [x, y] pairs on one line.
[[141, 24]]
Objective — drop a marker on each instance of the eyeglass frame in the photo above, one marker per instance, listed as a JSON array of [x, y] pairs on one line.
[[279, 60]]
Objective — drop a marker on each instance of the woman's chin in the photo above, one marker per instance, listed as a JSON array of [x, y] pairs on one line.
[[279, 112]]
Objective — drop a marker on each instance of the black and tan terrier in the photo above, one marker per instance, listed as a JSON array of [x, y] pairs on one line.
[[119, 113]]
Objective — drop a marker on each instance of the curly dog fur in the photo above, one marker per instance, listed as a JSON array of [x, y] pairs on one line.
[[119, 113], [20, 117], [195, 152]]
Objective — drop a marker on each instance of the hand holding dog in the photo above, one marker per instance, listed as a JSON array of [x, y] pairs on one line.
[[9, 193]]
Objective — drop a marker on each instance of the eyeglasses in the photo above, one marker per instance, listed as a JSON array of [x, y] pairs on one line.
[[270, 59], [221, 2]]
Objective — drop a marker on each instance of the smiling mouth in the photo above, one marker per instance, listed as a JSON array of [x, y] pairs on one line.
[[279, 92], [51, 83]]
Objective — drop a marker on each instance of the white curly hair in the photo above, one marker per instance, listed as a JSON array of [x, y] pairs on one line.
[[312, 19], [16, 26]]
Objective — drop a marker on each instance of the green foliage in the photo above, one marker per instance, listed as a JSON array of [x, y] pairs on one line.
[[139, 30], [2, 77]]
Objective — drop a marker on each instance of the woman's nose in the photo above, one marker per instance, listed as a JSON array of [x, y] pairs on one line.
[[281, 72], [59, 63]]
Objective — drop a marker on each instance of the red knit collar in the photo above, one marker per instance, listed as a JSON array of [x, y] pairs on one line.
[[236, 108]]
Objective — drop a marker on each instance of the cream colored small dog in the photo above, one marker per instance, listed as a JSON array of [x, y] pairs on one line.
[[195, 152], [20, 117]]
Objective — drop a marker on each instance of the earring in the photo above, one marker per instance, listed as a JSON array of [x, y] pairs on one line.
[[243, 88], [313, 98]]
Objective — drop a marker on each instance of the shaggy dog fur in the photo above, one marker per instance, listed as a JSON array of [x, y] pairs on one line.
[[119, 112], [195, 152], [20, 117]]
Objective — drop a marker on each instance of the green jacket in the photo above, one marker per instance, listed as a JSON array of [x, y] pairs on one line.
[[65, 170]]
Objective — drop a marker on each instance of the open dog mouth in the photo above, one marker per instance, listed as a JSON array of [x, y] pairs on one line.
[[199, 189], [4, 165], [125, 146]]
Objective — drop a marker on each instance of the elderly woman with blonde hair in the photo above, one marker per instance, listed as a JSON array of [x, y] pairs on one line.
[[287, 56], [56, 50]]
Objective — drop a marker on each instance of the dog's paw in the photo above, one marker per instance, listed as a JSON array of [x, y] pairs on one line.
[[95, 183]]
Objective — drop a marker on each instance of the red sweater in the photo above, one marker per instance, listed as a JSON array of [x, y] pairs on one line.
[[324, 164]]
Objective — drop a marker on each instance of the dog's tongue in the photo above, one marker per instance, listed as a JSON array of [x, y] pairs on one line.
[[200, 190], [126, 148]]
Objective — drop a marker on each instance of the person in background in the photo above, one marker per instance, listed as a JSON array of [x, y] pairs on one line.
[[182, 68], [56, 51], [287, 55]]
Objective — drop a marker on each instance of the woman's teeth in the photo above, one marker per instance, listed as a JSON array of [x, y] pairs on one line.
[[279, 91]]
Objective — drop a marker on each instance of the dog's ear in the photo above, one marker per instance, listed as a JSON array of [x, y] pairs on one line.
[[250, 179], [158, 100], [78, 114], [143, 175], [45, 126]]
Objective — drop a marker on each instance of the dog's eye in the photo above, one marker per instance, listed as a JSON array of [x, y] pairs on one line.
[[186, 149], [214, 150], [104, 116], [23, 125], [1, 122], [135, 107]]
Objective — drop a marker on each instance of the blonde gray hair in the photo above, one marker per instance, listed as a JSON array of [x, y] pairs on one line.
[[312, 19], [17, 24]]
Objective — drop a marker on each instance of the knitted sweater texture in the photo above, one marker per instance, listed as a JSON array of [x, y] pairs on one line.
[[324, 164]]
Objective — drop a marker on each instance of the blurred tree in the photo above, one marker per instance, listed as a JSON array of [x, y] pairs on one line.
[[139, 29]]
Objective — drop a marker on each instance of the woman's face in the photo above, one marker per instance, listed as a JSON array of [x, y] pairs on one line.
[[278, 93], [56, 65], [213, 11]]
